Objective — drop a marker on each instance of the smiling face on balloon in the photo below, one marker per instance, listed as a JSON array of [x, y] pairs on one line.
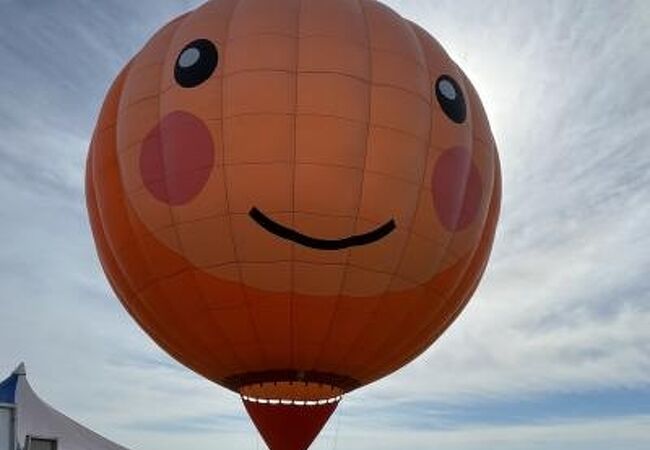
[[353, 160]]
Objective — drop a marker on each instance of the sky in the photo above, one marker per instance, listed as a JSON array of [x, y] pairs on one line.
[[552, 352]]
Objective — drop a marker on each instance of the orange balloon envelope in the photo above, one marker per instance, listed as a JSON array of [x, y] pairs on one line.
[[293, 198]]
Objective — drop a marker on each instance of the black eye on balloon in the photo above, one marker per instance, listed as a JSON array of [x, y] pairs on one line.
[[196, 63], [451, 99]]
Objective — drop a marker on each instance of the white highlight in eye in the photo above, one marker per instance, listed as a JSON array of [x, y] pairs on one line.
[[447, 90], [189, 57]]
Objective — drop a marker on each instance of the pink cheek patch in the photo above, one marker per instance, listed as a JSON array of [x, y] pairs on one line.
[[457, 188], [177, 158]]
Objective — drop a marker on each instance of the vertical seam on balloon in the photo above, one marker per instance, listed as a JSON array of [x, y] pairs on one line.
[[137, 240], [262, 351], [346, 265], [450, 237], [488, 232], [449, 240], [405, 319], [490, 221], [162, 143], [453, 232], [460, 277], [91, 156], [100, 235], [365, 161], [125, 202], [162, 140], [174, 223], [293, 192], [381, 303], [428, 151], [394, 356], [211, 311], [104, 236], [191, 269], [170, 345]]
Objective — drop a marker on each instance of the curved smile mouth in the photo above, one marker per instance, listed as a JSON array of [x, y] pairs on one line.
[[321, 244]]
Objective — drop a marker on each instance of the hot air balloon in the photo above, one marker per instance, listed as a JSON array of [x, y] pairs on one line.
[[293, 198]]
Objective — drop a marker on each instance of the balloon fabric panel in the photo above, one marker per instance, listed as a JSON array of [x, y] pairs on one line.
[[298, 190]]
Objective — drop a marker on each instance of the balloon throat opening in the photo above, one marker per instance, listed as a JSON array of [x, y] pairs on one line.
[[291, 384], [291, 393], [277, 401]]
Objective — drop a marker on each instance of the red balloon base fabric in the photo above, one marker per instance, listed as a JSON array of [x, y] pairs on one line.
[[289, 427]]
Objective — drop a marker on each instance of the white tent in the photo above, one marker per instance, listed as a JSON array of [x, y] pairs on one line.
[[28, 423]]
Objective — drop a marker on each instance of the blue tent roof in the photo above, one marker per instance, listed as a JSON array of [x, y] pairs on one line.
[[8, 389]]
